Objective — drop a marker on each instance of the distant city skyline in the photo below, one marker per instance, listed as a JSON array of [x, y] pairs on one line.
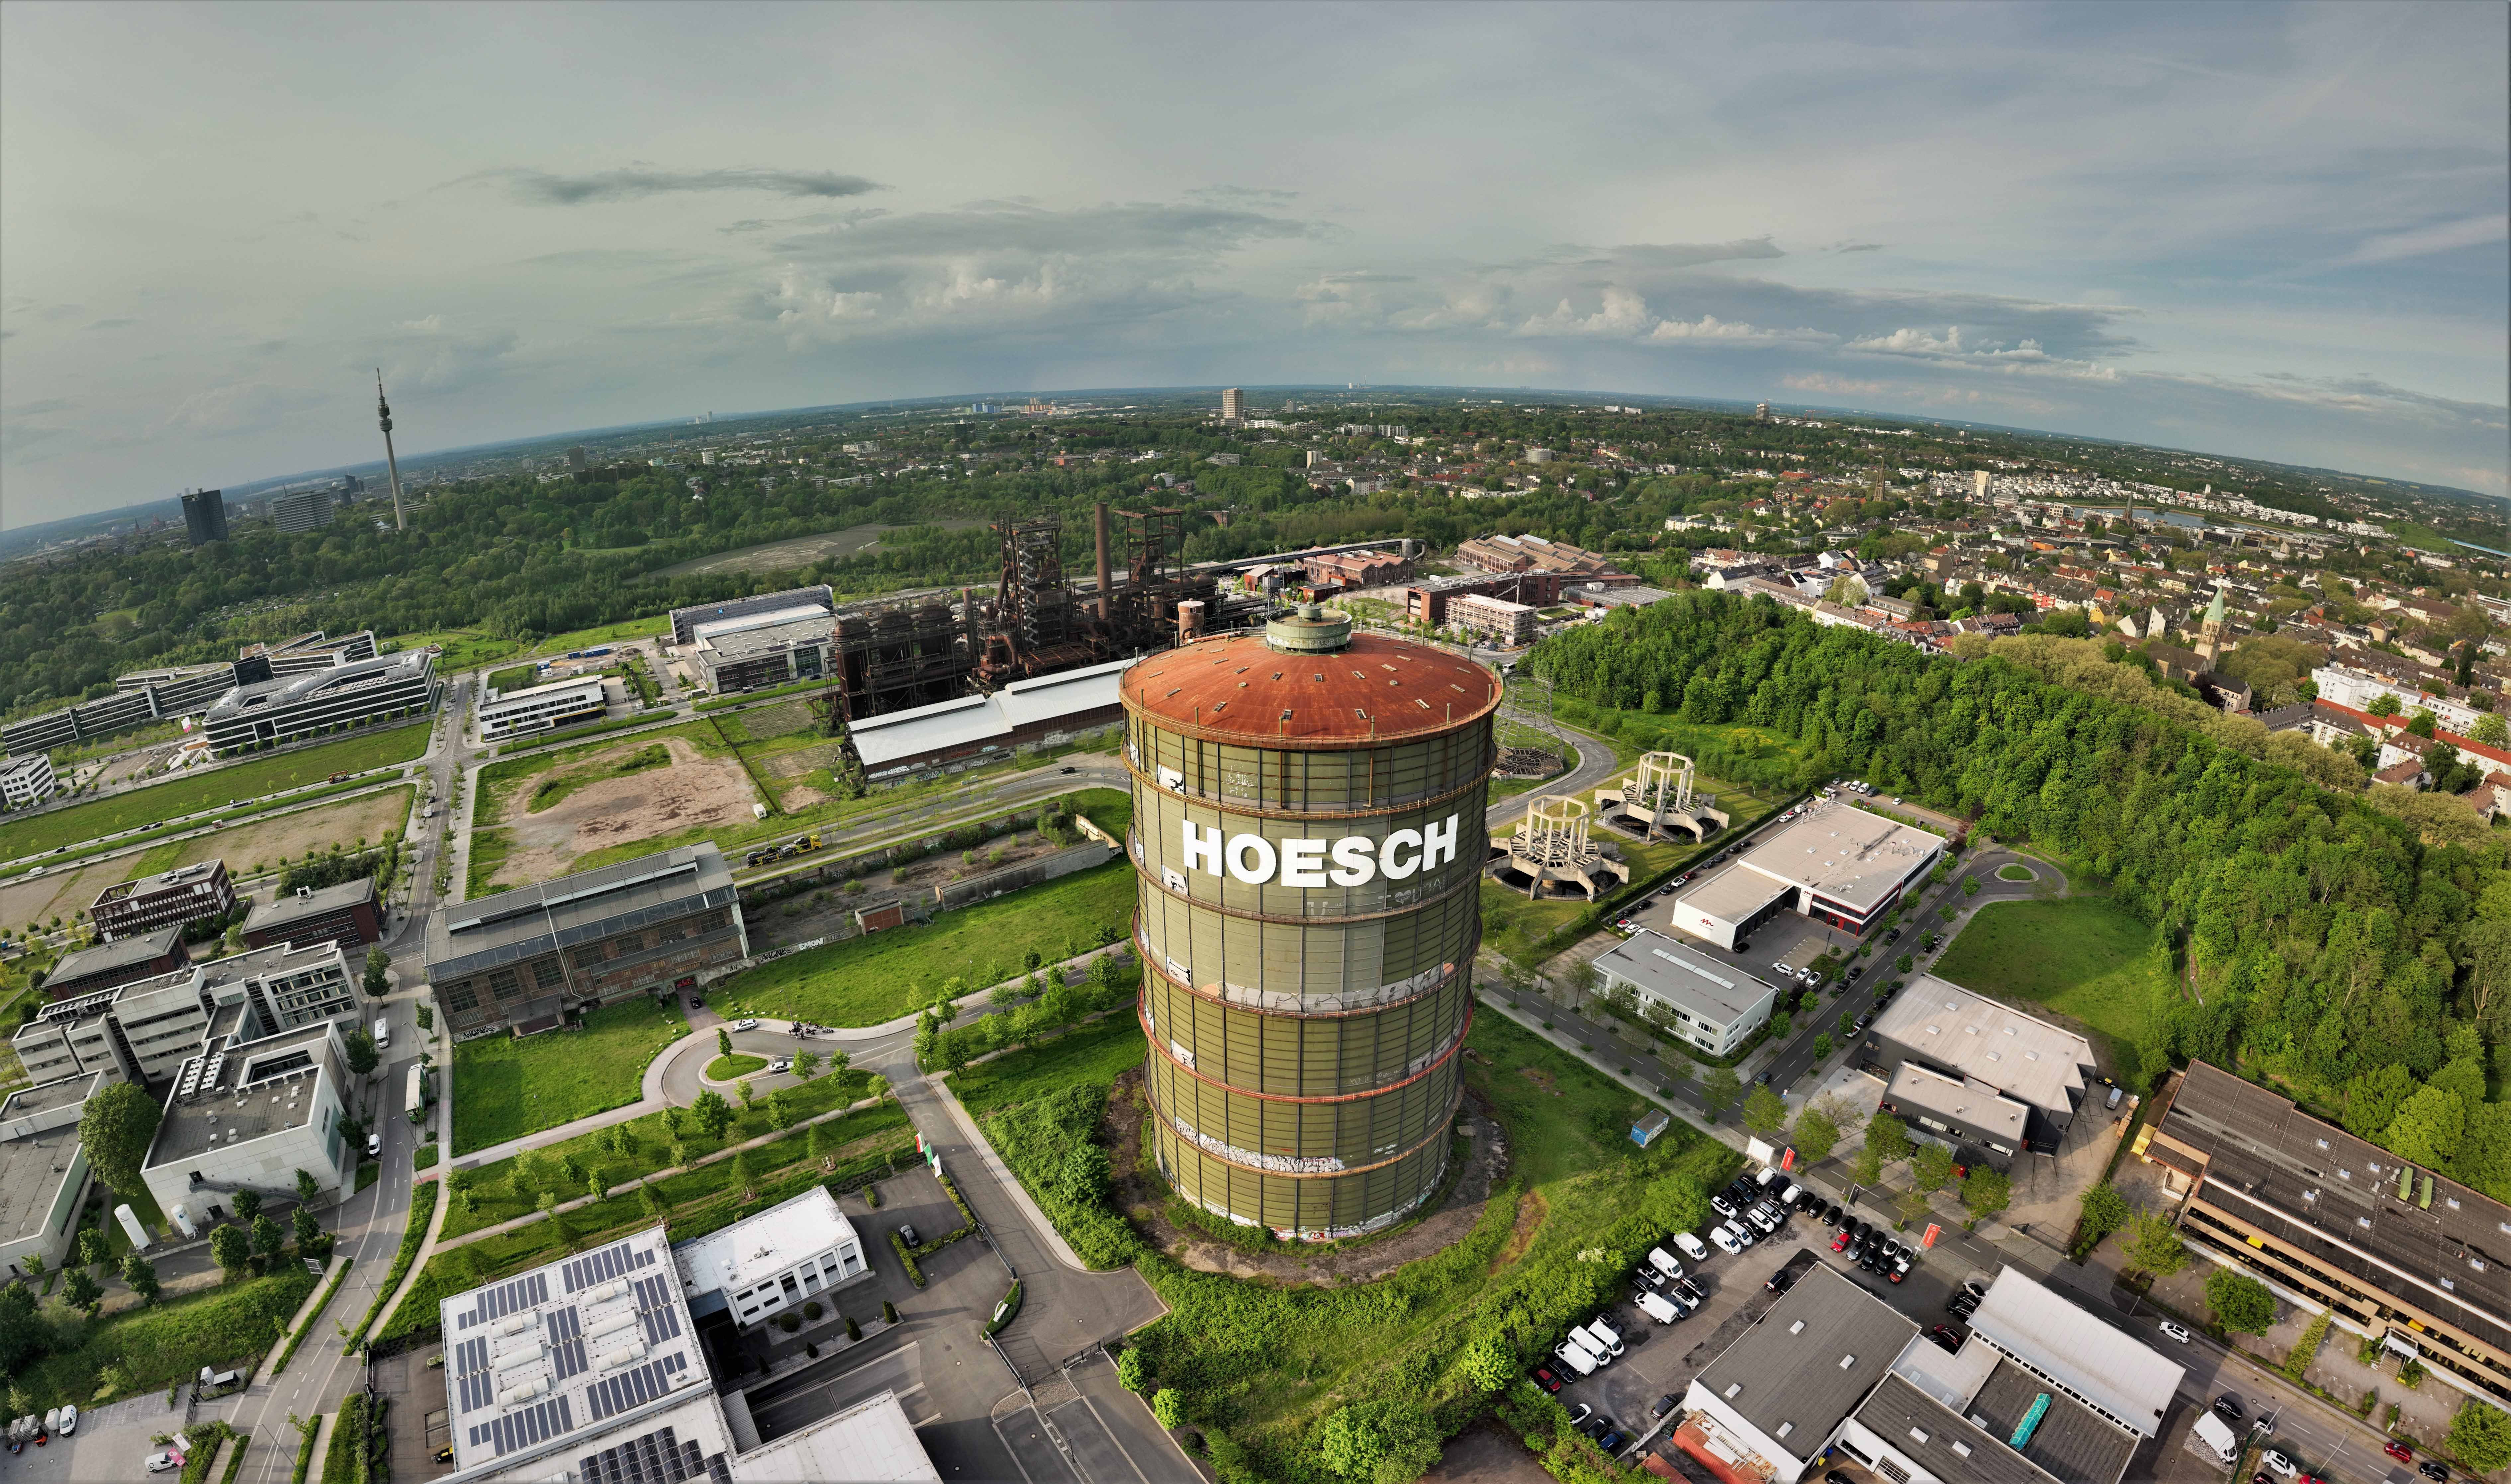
[[2274, 233]]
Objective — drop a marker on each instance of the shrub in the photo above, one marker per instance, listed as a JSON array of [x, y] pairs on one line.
[[812, 1310]]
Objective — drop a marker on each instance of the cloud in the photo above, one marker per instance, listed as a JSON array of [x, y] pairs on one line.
[[2026, 355], [1854, 247], [431, 354], [1015, 227], [543, 188], [2440, 237], [1623, 316], [238, 408], [1250, 195], [1711, 329]]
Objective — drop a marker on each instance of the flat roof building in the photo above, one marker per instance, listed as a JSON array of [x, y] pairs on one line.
[[685, 620], [1772, 1400], [2111, 1371], [249, 1113], [520, 960], [1709, 1004], [540, 707], [760, 650], [1978, 1074], [345, 914], [185, 895], [43, 1171], [121, 961], [591, 1368], [25, 781], [290, 708], [2397, 1252], [1043, 711], [306, 509], [1835, 863], [762, 1265], [142, 1031], [310, 651], [1493, 618]]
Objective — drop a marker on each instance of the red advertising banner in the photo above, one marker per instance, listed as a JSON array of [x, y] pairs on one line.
[[1933, 1232], [1788, 1161]]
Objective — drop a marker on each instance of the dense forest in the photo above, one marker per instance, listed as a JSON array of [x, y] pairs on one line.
[[2328, 947]]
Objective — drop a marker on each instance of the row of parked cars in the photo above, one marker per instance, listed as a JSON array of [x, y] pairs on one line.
[[39, 1430]]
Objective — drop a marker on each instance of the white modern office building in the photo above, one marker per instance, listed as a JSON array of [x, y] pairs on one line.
[[591, 1369], [1713, 1005], [540, 707], [281, 710], [43, 1171], [144, 1031], [763, 1265], [1835, 863], [27, 780], [248, 1112]]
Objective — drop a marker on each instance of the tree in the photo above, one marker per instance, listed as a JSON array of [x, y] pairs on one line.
[[307, 1186], [2383, 704], [137, 1272], [780, 1109], [2428, 1127], [1129, 1371], [1378, 1442], [2481, 1435], [94, 1249], [1822, 1045], [309, 1232], [745, 1175], [363, 1055], [25, 1334], [1817, 1133], [248, 1205], [824, 1145], [231, 1248], [723, 1042], [115, 1128], [2373, 1099], [267, 1240], [1488, 1364], [673, 1117], [1168, 1407], [747, 1095], [1720, 1089], [1764, 1112], [1933, 1167], [712, 1114], [2152, 1245], [2241, 1303], [650, 1196], [806, 1065], [1887, 1139], [378, 961], [2492, 730], [83, 1292], [1986, 1191], [1970, 886]]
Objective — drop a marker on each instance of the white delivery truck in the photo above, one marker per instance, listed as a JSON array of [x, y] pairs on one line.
[[383, 1033], [2218, 1438], [1602, 1336], [1663, 1261], [1655, 1307], [1575, 1355]]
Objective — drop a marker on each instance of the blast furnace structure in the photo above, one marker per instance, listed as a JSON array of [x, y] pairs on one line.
[[1309, 840]]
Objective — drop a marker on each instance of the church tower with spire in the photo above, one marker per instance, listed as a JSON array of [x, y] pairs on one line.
[[383, 416], [2210, 629]]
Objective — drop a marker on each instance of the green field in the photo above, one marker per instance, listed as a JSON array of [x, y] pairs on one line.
[[1094, 1054], [2086, 958], [504, 1088], [607, 634], [2015, 871], [227, 1325], [880, 976], [464, 648], [252, 781]]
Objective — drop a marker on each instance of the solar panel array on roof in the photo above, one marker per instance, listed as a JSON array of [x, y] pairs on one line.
[[523, 1293], [656, 1458], [566, 1343], [613, 1261], [524, 1427], [471, 1385], [631, 1389], [654, 1306]]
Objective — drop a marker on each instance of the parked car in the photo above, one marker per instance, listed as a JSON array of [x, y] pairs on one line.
[[1690, 1293], [1663, 1264], [1839, 1244], [69, 1421], [745, 1024], [1612, 1441], [1659, 1308], [1580, 1413], [907, 1234], [1663, 1404], [164, 1460], [1725, 1239], [2228, 1410], [780, 1064], [2275, 1462], [2399, 1451], [1722, 1205], [2433, 1472], [1946, 1336], [1691, 1247], [375, 1145], [1899, 1269], [1542, 1375], [2174, 1330]]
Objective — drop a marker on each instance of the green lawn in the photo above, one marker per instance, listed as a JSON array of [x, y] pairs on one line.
[[252, 781], [1094, 1054], [2086, 958], [514, 677], [607, 634], [738, 1064], [883, 975], [464, 648], [504, 1088], [230, 1324], [2015, 871]]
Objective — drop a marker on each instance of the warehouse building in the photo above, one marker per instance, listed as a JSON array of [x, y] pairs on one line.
[[1835, 863], [345, 915], [43, 1172], [287, 709], [121, 961], [685, 620], [540, 707], [185, 895], [595, 1368], [762, 1265], [142, 1031], [27, 781], [519, 961], [1428, 602], [1770, 1402], [248, 1111], [1711, 1005], [2397, 1253], [1042, 712], [1978, 1075], [757, 651]]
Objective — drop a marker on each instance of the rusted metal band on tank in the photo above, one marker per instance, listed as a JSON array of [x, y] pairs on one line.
[[1376, 810], [1439, 1130], [1160, 1048], [1199, 992], [1434, 724], [1143, 873]]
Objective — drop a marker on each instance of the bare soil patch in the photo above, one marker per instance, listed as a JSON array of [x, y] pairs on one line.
[[797, 551], [696, 790], [57, 893], [369, 817], [1540, 1078], [1144, 1197], [1532, 1208]]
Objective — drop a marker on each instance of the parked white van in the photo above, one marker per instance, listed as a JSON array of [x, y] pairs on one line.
[[1691, 1246], [1664, 1264], [1575, 1355], [1598, 1330], [1657, 1308]]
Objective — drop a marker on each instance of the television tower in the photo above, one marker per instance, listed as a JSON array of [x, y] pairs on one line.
[[383, 416]]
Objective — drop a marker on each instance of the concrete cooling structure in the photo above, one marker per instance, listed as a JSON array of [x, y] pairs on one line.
[[1309, 841]]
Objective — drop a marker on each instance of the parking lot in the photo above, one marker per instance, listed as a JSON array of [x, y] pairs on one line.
[[112, 1442]]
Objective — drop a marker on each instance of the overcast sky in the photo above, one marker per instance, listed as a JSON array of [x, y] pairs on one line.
[[2272, 231]]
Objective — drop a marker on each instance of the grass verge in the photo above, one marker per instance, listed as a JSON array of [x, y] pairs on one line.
[[2086, 958], [511, 1087], [422, 1209], [739, 1064], [147, 1349], [287, 1351]]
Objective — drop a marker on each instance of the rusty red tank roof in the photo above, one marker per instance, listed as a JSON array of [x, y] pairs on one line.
[[1239, 689]]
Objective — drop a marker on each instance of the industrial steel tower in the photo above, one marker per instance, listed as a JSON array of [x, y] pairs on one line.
[[383, 416]]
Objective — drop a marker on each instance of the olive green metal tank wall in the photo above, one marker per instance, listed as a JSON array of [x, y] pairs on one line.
[[1305, 1040]]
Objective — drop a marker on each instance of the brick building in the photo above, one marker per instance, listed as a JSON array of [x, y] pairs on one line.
[[140, 956], [184, 895], [345, 914]]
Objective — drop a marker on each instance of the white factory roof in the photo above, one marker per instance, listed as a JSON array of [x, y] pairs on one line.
[[1732, 894], [1842, 852], [2020, 1055], [1664, 968], [869, 1443], [774, 618], [762, 1246], [2091, 1359], [975, 720], [592, 683]]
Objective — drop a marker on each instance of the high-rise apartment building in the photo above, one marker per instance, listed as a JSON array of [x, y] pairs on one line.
[[307, 509], [1233, 406], [576, 460], [204, 516], [1308, 842], [1761, 413]]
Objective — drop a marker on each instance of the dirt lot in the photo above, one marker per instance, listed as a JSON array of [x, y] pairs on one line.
[[58, 893], [695, 790], [799, 551], [369, 817], [830, 913], [789, 769]]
